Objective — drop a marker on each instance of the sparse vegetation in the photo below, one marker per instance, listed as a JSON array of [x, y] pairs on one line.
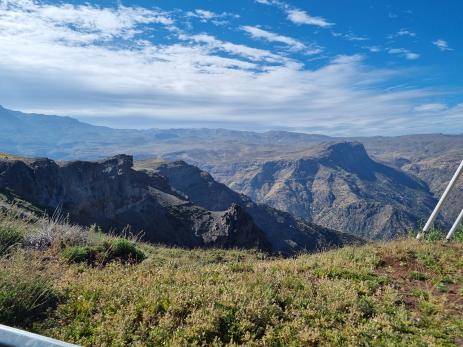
[[369, 295], [24, 298]]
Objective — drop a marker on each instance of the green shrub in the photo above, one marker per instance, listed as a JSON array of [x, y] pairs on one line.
[[24, 300], [434, 235], [10, 236], [80, 254], [111, 250], [124, 250]]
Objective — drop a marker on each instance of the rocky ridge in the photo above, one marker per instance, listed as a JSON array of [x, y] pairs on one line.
[[111, 194]]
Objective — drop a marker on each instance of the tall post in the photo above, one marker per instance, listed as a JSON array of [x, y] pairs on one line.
[[455, 225], [438, 207]]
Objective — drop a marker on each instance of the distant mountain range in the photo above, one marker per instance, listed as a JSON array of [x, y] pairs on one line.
[[376, 189]]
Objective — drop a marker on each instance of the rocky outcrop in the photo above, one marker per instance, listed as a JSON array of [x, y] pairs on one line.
[[287, 235], [111, 194]]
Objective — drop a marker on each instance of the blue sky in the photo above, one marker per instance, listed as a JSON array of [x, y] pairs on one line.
[[358, 67]]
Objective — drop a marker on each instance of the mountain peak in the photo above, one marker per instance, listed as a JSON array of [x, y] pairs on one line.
[[348, 154]]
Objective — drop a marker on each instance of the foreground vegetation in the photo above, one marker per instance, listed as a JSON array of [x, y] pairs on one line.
[[84, 287]]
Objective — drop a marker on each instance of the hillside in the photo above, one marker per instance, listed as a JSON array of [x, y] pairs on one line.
[[432, 158], [337, 185], [87, 288]]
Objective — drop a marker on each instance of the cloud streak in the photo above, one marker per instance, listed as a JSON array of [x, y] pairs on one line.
[[407, 54], [258, 33]]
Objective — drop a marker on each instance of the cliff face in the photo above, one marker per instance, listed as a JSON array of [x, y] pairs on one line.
[[288, 235], [111, 194]]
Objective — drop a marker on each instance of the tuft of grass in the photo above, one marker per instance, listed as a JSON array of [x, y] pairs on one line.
[[418, 276], [124, 250], [80, 254], [56, 231], [117, 249], [25, 298], [10, 236], [12, 231]]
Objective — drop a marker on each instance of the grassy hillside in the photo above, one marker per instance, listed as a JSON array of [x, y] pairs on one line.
[[81, 286]]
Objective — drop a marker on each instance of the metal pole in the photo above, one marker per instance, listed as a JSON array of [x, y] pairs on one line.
[[13, 337], [441, 201], [455, 225]]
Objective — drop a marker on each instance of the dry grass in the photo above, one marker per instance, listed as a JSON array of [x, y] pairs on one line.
[[356, 296]]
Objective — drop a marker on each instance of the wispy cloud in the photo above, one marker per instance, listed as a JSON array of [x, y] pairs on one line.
[[215, 45], [405, 32], [302, 17], [436, 107], [259, 33], [216, 18], [67, 59], [407, 54], [372, 49], [349, 36], [442, 45], [296, 15]]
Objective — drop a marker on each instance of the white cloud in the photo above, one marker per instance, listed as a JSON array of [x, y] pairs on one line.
[[258, 33], [372, 49], [349, 36], [301, 17], [442, 45], [69, 64], [213, 44], [431, 107], [296, 15], [405, 32], [404, 53]]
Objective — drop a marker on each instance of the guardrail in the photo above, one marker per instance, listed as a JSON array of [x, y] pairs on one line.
[[438, 207], [12, 337]]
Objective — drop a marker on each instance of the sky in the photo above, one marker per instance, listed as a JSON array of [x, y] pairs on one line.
[[359, 67]]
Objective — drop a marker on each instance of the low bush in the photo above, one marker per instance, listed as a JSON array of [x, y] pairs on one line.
[[56, 231], [24, 300], [434, 235], [80, 254], [124, 250], [118, 249]]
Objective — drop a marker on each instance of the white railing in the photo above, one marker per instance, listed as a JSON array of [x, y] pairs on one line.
[[438, 207], [12, 337]]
